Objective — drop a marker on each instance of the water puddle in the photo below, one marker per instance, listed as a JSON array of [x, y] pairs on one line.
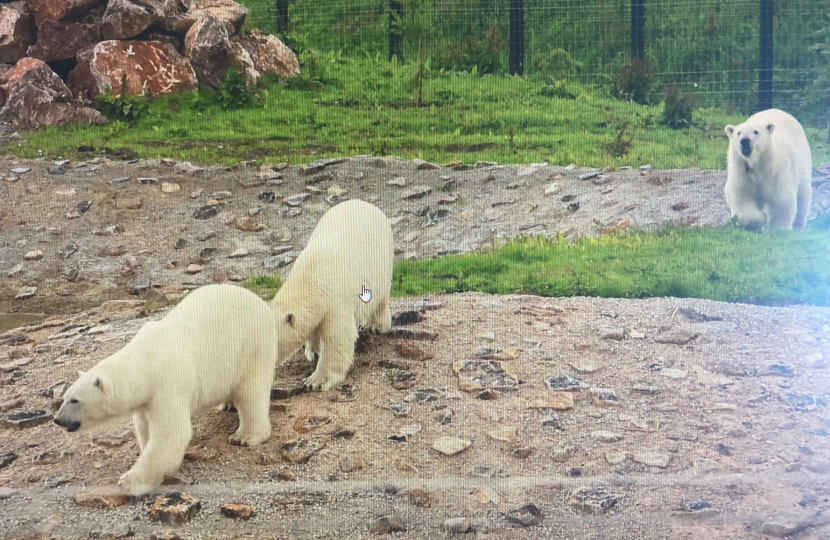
[[16, 320]]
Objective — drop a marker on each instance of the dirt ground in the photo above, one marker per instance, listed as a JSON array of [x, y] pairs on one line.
[[658, 418]]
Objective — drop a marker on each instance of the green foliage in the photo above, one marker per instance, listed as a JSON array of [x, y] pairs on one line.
[[481, 57], [233, 93], [677, 107], [557, 89], [730, 264], [122, 108], [634, 81], [556, 64], [264, 285]]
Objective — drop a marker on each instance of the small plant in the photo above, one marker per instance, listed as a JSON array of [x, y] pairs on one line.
[[233, 93], [677, 107], [557, 89], [510, 138], [621, 144], [419, 78], [475, 57], [557, 64], [122, 108], [634, 81]]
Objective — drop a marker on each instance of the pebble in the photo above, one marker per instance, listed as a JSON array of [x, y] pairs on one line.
[[788, 524], [417, 192], [526, 516], [451, 446], [652, 459], [35, 255], [248, 224], [504, 434], [175, 508], [205, 212], [604, 397], [552, 189], [593, 500], [612, 333], [194, 268], [6, 459], [26, 419], [559, 401], [678, 335], [238, 511], [299, 450], [674, 373], [103, 497], [238, 254], [397, 182], [170, 187], [146, 180], [459, 525], [79, 209], [387, 525], [606, 436], [296, 200]]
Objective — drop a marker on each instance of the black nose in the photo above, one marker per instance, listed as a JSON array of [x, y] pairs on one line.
[[58, 422], [745, 148]]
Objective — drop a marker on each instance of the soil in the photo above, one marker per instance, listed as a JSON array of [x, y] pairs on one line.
[[682, 418]]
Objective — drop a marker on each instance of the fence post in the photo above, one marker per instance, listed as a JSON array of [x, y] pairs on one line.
[[765, 52], [638, 29], [517, 37], [282, 16], [396, 13]]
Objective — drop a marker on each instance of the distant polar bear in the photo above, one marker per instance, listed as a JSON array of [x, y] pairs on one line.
[[350, 249], [218, 344], [769, 170]]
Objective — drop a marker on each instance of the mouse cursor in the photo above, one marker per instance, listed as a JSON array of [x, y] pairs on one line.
[[366, 295]]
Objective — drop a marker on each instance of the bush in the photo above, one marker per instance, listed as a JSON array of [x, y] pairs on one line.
[[557, 89], [483, 57], [634, 81], [557, 64], [122, 108], [232, 93], [677, 107]]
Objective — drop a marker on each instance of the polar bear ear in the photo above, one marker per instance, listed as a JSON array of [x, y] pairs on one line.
[[729, 130], [290, 319], [770, 127], [102, 385], [81, 373]]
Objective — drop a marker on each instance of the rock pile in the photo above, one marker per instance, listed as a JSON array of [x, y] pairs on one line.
[[56, 55]]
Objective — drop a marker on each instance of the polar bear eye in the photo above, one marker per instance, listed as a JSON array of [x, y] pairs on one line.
[[73, 401], [755, 132]]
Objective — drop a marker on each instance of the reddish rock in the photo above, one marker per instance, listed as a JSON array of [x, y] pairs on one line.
[[124, 19], [207, 46], [171, 39], [178, 20], [58, 9], [270, 55], [229, 12], [38, 97], [59, 40], [149, 65], [17, 31]]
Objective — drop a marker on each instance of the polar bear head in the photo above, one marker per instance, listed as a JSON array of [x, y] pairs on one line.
[[289, 336], [750, 140], [88, 403]]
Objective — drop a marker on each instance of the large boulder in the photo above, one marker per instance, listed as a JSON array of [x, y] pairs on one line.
[[229, 12], [58, 9], [38, 97], [270, 55], [178, 20], [17, 31], [124, 19], [208, 47], [59, 40], [149, 65]]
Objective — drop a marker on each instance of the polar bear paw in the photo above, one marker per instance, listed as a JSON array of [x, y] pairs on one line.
[[132, 483], [322, 382], [248, 439]]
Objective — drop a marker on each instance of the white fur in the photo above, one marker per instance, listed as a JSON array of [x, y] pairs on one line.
[[351, 247], [772, 186], [218, 344]]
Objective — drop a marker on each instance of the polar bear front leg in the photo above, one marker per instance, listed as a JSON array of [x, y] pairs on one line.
[[253, 400], [805, 195], [312, 347], [336, 354], [169, 432], [782, 214], [382, 318], [141, 429]]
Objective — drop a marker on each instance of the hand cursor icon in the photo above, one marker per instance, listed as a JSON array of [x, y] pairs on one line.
[[366, 295]]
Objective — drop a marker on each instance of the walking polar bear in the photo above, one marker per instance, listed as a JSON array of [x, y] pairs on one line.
[[769, 171], [340, 281], [217, 345]]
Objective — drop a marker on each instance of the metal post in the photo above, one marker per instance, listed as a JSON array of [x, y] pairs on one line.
[[765, 56], [517, 37]]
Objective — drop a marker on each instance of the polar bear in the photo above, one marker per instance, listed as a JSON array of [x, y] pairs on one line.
[[340, 281], [769, 171], [217, 344]]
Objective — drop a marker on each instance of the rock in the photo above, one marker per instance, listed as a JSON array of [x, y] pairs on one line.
[[248, 224], [170, 187], [451, 446], [593, 500], [476, 375], [113, 251], [673, 373], [678, 335], [79, 209], [60, 40], [606, 436], [205, 212], [521, 452], [296, 200], [613, 333], [6, 459], [787, 524], [238, 511], [422, 165], [299, 450], [15, 270], [37, 97], [526, 516], [149, 65], [506, 434], [16, 31], [165, 534], [416, 192], [175, 508], [387, 525], [270, 55], [585, 365], [58, 9], [6, 493], [238, 254], [124, 19], [11, 404], [103, 497], [615, 458], [207, 46], [26, 419], [34, 255], [559, 401], [279, 261], [229, 12], [24, 293], [458, 525], [652, 459], [604, 397], [563, 383], [194, 268], [410, 350]]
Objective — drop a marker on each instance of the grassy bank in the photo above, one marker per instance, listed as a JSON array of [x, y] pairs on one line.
[[723, 263], [346, 107]]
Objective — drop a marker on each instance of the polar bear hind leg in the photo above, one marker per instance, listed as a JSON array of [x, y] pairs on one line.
[[252, 401], [382, 318], [336, 353], [805, 192], [169, 432]]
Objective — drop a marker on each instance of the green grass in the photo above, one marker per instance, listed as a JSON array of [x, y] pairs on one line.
[[724, 263], [716, 263], [366, 106]]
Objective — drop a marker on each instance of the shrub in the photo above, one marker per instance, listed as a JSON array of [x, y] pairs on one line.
[[232, 93], [122, 108], [634, 81], [557, 64], [482, 57], [677, 107], [557, 89]]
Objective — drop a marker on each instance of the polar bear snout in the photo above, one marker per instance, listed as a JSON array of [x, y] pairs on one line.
[[69, 425], [746, 146]]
